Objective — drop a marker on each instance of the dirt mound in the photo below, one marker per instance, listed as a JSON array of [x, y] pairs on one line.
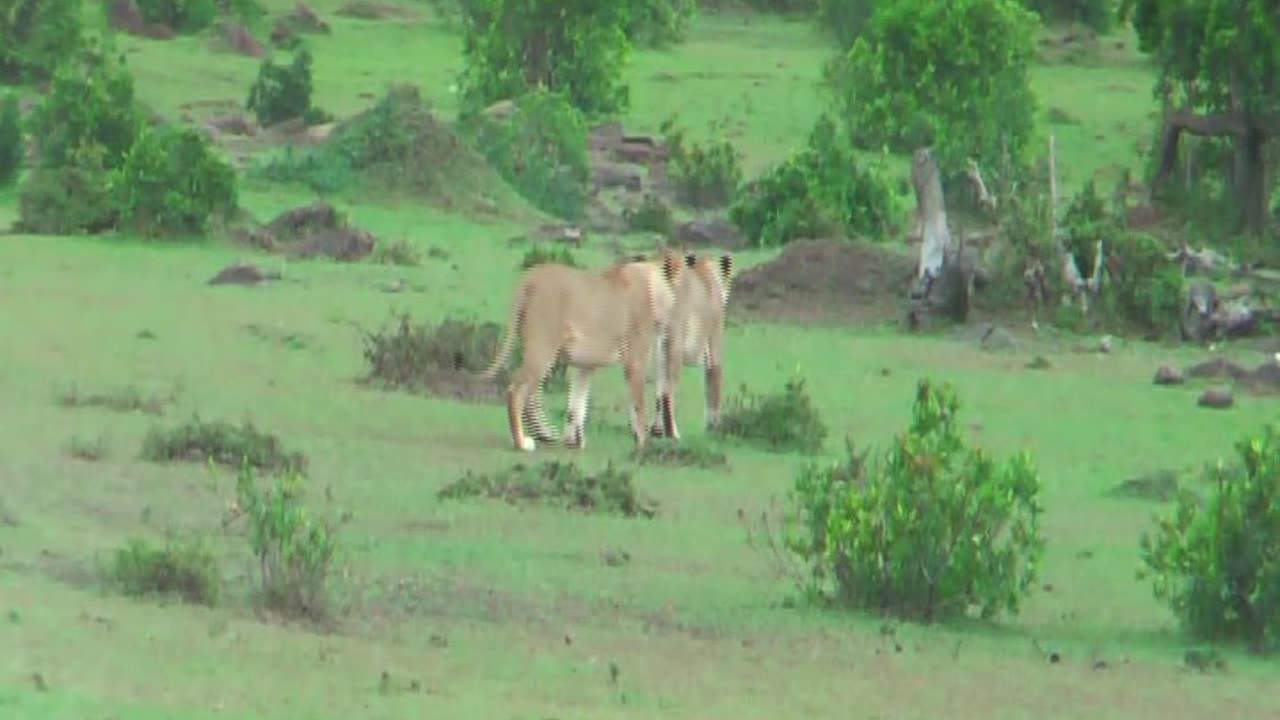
[[825, 281], [366, 10], [315, 230], [236, 38], [125, 15]]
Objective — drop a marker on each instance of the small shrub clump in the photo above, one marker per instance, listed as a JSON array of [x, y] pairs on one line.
[[397, 252], [409, 354], [658, 23], [35, 37], [820, 191], [689, 453], [283, 92], [223, 443], [184, 568], [1215, 563], [294, 550], [68, 199], [540, 149], [926, 530], [779, 422], [11, 148], [538, 255], [559, 484], [703, 176], [652, 215], [173, 183]]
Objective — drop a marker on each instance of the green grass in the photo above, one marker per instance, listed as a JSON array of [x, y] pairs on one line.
[[479, 609]]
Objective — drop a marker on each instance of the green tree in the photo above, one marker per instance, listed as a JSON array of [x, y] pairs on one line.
[[1096, 14], [34, 37], [954, 75], [576, 47], [10, 140], [1218, 64]]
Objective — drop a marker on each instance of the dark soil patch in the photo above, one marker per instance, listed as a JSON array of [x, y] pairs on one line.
[[558, 484], [1217, 368], [235, 37], [242, 274], [1262, 380], [315, 230], [825, 281], [1159, 486]]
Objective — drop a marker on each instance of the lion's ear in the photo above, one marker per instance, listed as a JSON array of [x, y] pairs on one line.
[[726, 265], [671, 267]]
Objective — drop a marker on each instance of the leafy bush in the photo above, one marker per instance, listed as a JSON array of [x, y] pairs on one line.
[[657, 23], [283, 92], [1098, 15], [691, 453], [540, 149], [779, 422], [1215, 565], [954, 75], [183, 568], [184, 16], [1144, 287], [11, 148], [173, 183], [821, 190], [511, 47], [35, 37], [294, 550], [703, 177], [90, 101], [221, 442], [71, 198], [924, 531], [653, 215], [559, 484], [537, 255]]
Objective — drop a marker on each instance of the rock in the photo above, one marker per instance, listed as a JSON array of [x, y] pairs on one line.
[[347, 244], [1105, 344], [242, 274], [1169, 375], [1216, 397], [997, 338], [715, 231], [1217, 368], [500, 110], [233, 124], [606, 175], [304, 19]]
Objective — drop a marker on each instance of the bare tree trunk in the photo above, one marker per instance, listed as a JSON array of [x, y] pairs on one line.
[[944, 277]]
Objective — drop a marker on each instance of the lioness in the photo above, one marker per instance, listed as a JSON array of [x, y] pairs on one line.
[[596, 318], [695, 337]]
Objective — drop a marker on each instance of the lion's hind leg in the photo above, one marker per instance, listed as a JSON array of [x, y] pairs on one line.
[[575, 419], [535, 416]]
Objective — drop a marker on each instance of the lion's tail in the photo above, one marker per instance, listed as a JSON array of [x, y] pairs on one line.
[[514, 317]]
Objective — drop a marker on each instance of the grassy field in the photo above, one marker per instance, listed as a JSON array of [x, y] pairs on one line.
[[479, 609]]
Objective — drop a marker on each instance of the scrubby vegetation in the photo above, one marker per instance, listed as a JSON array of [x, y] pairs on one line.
[[223, 443], [559, 484], [781, 422]]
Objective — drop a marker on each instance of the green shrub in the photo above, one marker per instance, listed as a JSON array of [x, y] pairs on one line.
[[221, 442], [558, 484], [658, 23], [511, 47], [321, 170], [1216, 564], [294, 550], [1144, 289], [90, 101], [924, 531], [11, 148], [954, 75], [1098, 15], [183, 568], [540, 149], [35, 37], [702, 176], [538, 254], [653, 215], [68, 199], [184, 16], [283, 92], [819, 191], [172, 183], [779, 422], [844, 20]]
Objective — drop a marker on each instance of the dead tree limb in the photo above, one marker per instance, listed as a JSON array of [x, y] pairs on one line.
[[945, 272]]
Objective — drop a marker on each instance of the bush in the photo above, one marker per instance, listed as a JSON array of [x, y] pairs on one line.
[[35, 36], [844, 20], [778, 422], [1098, 15], [540, 149], [819, 191], [283, 92], [294, 551], [653, 215], [1215, 565], [173, 183], [184, 16], [537, 255], [11, 147], [511, 47], [954, 75], [926, 530], [70, 198], [183, 568], [658, 23], [90, 101], [703, 177], [558, 484], [222, 443]]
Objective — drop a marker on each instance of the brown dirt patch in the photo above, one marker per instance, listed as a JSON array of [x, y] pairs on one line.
[[820, 281], [367, 10], [235, 37], [315, 230]]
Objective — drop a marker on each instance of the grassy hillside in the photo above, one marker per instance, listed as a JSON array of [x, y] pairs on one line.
[[482, 609]]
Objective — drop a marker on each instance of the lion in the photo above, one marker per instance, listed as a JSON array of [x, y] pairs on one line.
[[592, 318], [695, 337]]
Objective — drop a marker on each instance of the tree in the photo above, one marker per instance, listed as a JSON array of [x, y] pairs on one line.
[[954, 75], [1219, 76], [35, 35], [576, 47]]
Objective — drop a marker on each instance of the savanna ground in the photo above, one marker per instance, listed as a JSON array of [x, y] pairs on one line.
[[481, 609]]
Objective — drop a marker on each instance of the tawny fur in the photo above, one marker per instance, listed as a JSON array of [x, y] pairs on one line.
[[594, 318]]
